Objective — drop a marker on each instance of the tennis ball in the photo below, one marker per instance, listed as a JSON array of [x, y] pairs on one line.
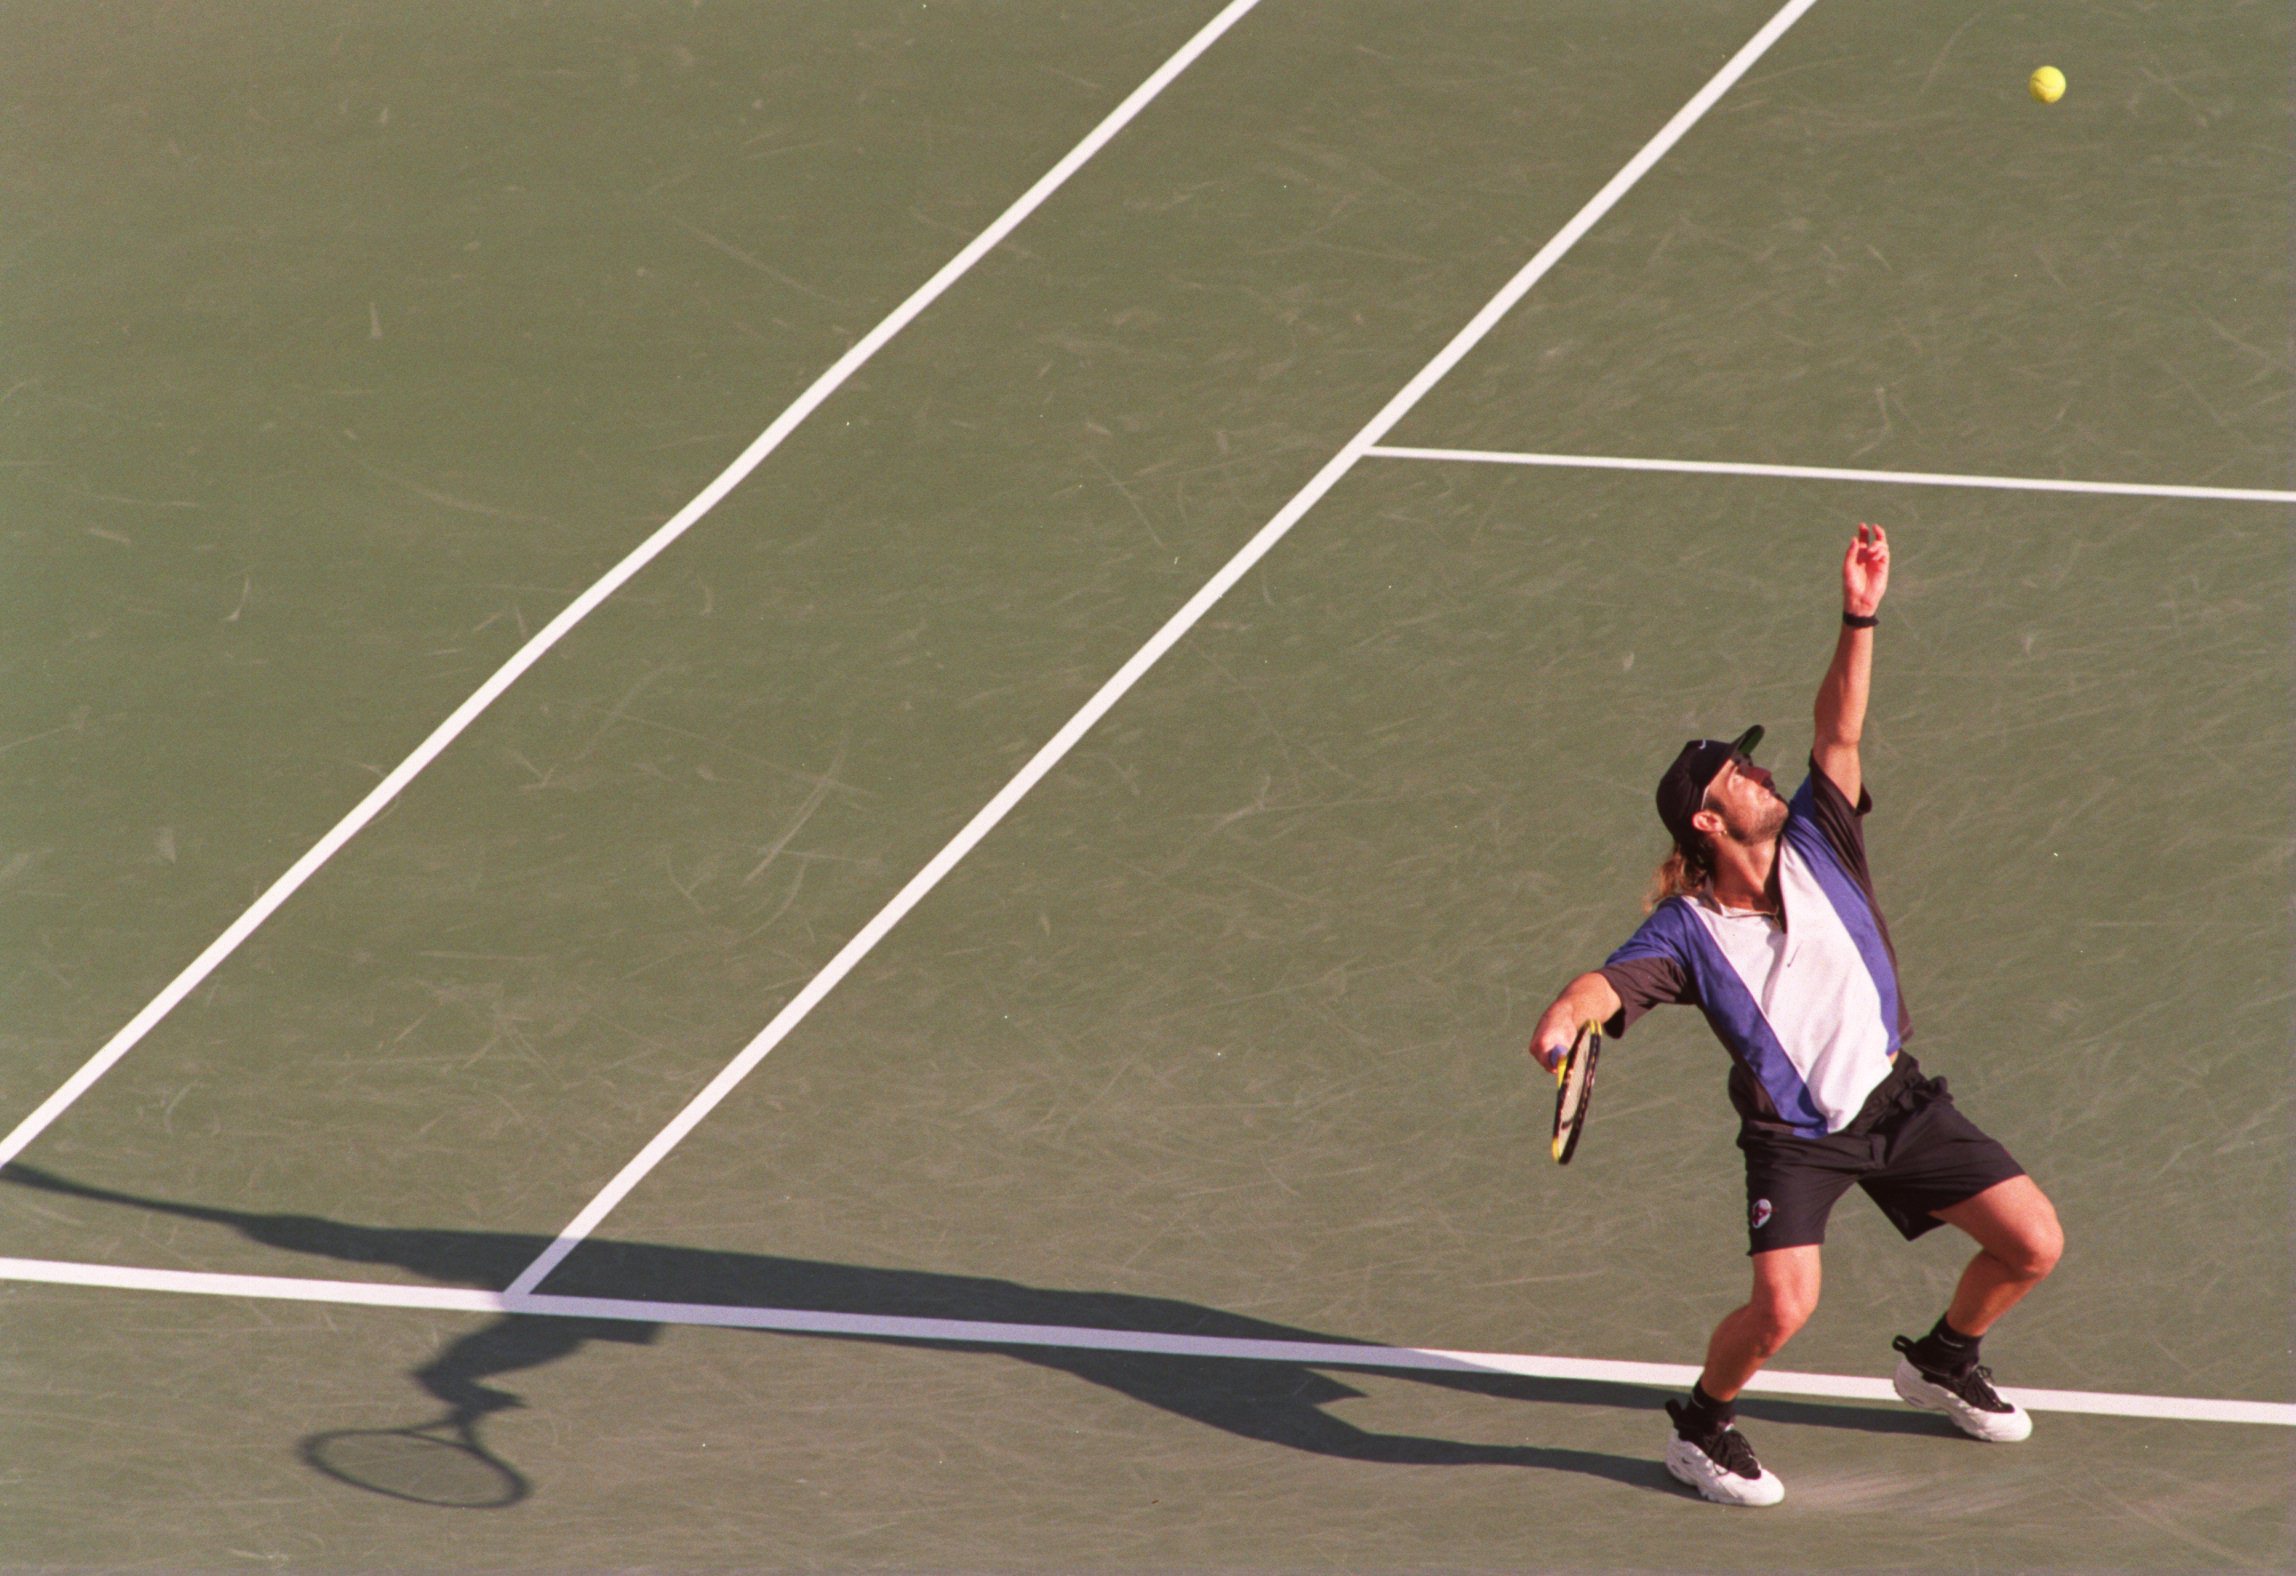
[[2048, 84]]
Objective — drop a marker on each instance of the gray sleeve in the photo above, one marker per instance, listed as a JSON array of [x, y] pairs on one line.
[[1643, 983], [1842, 823]]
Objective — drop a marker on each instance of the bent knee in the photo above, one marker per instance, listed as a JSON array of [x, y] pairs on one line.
[[1777, 1319], [2039, 1248], [2047, 1244], [2015, 1225], [2034, 1247]]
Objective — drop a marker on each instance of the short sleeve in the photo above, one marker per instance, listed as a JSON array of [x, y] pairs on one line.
[[1652, 969], [1823, 805]]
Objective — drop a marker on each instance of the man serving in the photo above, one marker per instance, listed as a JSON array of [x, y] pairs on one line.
[[1765, 919]]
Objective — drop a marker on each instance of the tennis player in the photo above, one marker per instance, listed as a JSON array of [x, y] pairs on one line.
[[1764, 918]]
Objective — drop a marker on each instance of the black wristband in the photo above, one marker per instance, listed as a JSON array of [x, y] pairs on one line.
[[1860, 620]]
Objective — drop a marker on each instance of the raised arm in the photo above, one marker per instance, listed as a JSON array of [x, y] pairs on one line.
[[1841, 707], [1589, 998]]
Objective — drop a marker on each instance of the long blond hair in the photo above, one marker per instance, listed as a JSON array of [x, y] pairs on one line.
[[1682, 872]]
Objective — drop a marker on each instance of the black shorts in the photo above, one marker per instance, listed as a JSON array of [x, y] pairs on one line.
[[1923, 1156]]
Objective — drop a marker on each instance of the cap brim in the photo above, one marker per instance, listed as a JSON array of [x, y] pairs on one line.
[[1746, 742]]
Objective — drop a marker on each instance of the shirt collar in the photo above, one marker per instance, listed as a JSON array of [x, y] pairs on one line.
[[1706, 900]]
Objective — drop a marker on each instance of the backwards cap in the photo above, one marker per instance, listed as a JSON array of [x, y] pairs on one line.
[[1683, 788]]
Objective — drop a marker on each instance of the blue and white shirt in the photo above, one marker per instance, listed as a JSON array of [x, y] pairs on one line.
[[1807, 1002]]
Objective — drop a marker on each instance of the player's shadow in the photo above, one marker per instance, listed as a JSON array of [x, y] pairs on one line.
[[1276, 1401]]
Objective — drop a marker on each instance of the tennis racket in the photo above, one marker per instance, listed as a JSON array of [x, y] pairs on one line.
[[1574, 1091]]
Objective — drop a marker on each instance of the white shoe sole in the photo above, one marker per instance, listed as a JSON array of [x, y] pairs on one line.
[[1995, 1428], [1695, 1467]]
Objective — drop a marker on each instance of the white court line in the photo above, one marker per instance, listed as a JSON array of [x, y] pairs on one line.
[[1832, 473], [975, 1332], [1148, 655], [582, 606]]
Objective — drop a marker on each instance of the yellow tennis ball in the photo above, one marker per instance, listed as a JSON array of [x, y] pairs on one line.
[[2048, 84]]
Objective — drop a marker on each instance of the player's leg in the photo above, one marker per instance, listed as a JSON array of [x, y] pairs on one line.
[[1792, 1185], [1707, 1451], [2018, 1244], [1940, 1168], [1786, 1286]]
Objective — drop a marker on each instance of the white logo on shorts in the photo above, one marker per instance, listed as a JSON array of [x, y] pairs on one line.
[[1762, 1213]]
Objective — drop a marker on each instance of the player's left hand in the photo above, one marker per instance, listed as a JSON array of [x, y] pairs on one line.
[[1865, 571]]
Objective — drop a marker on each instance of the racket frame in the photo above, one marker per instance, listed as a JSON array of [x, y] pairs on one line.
[[1586, 1052]]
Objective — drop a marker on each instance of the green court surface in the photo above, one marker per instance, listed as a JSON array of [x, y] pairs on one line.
[[350, 342]]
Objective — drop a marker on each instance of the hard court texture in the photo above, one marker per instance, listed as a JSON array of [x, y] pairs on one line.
[[348, 342]]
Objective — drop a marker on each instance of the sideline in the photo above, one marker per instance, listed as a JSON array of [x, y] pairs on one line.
[[973, 1332], [1830, 473]]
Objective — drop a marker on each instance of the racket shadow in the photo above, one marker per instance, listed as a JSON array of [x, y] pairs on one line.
[[444, 1461]]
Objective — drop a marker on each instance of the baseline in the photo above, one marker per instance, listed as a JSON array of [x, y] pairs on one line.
[[976, 1332], [838, 373], [1072, 731], [1830, 473]]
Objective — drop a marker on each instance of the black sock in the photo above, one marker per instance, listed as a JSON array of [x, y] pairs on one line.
[[1946, 1350], [1703, 1415]]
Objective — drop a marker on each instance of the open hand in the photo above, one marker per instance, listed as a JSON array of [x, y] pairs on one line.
[[1865, 571]]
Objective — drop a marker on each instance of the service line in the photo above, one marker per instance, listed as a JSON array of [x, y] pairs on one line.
[[1831, 473], [588, 602], [1069, 1337], [1158, 644]]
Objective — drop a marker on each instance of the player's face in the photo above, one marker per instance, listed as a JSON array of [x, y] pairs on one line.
[[1746, 797]]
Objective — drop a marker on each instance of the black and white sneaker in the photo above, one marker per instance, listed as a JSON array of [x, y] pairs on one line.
[[1721, 1465], [1976, 1408]]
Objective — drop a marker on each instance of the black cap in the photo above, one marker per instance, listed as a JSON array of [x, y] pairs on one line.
[[1683, 788]]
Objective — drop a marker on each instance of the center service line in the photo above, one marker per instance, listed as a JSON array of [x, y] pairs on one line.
[[584, 605], [1148, 655], [1069, 1337]]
